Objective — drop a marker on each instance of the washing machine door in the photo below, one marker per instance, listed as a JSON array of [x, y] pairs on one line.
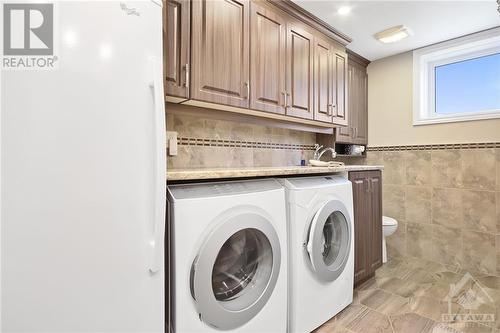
[[329, 240], [236, 270]]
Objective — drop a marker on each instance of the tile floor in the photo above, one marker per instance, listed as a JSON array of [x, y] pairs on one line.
[[412, 295]]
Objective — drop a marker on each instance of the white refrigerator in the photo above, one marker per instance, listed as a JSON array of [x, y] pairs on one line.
[[83, 176]]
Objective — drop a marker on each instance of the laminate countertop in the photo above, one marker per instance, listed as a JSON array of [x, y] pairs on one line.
[[246, 172]]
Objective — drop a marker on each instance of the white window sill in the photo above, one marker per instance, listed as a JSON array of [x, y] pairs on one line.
[[457, 118]]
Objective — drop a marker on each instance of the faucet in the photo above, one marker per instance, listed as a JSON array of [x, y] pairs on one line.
[[319, 152]]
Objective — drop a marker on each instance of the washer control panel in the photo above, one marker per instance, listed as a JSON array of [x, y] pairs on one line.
[[203, 190]]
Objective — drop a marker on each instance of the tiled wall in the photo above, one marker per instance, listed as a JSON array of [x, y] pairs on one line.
[[210, 143], [447, 203], [445, 198]]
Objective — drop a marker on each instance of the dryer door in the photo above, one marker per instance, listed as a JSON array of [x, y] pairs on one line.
[[329, 240], [235, 271]]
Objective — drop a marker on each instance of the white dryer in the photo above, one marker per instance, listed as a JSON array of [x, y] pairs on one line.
[[320, 249], [228, 254]]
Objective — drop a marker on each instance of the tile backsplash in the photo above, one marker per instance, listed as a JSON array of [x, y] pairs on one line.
[[210, 143], [446, 198], [447, 203]]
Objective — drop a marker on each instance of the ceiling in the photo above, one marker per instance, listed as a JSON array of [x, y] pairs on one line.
[[430, 21]]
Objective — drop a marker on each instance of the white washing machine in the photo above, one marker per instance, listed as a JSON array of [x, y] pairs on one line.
[[229, 257], [320, 249]]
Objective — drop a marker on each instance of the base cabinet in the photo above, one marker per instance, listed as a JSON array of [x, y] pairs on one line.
[[367, 195]]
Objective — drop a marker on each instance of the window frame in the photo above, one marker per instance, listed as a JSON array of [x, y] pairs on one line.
[[425, 61]]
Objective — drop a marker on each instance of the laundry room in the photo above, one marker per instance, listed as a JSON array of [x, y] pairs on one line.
[[250, 166], [393, 98]]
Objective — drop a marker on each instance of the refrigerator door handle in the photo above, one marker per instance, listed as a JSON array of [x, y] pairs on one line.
[[160, 168]]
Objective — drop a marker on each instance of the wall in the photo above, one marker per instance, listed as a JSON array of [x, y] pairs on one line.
[[214, 143], [390, 116], [445, 195], [447, 203]]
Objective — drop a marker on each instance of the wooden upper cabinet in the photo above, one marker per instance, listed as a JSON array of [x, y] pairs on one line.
[[267, 59], [346, 134], [300, 67], [357, 130], [361, 122], [323, 81], [220, 52], [268, 56], [340, 100], [176, 47]]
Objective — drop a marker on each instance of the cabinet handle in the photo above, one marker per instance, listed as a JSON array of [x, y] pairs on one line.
[[290, 96], [247, 84], [284, 97], [186, 79], [329, 111], [369, 186]]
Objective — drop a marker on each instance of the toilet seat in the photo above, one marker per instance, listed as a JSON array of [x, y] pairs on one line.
[[388, 221]]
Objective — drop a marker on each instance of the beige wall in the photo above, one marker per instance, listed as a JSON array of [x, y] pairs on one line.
[[390, 114]]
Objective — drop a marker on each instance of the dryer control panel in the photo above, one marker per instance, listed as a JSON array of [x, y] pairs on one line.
[[315, 182]]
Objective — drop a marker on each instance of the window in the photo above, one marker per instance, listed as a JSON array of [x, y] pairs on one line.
[[458, 80]]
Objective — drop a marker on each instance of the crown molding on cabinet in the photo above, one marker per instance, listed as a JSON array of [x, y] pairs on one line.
[[300, 13], [353, 56]]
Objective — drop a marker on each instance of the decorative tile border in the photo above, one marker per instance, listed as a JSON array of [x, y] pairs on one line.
[[204, 142], [437, 146]]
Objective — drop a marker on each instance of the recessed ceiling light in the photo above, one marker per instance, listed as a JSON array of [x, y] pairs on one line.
[[344, 10], [393, 34]]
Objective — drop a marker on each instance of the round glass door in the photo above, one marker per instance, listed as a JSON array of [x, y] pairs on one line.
[[235, 271], [242, 266], [329, 240]]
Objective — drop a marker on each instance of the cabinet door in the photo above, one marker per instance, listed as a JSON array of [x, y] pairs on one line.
[[375, 203], [323, 81], [357, 130], [300, 63], [220, 51], [267, 59], [345, 134], [340, 105], [353, 98], [176, 47], [361, 225], [360, 123]]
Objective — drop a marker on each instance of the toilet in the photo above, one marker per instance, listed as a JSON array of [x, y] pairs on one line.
[[389, 226]]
